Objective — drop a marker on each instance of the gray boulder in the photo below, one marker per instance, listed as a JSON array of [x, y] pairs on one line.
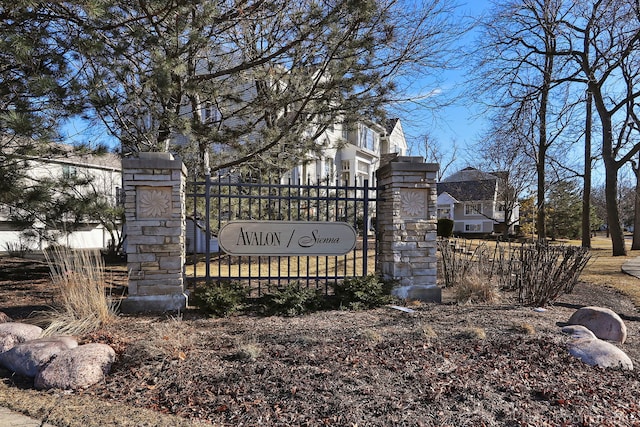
[[603, 322], [594, 351], [13, 333], [29, 357], [77, 368]]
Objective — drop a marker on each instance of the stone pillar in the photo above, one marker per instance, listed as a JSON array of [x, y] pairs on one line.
[[154, 187], [407, 223]]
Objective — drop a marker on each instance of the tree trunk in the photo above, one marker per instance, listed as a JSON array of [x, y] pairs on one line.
[[542, 148], [586, 193], [611, 196], [635, 243]]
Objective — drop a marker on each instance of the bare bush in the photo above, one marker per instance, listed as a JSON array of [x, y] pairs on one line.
[[538, 272], [546, 272], [456, 262]]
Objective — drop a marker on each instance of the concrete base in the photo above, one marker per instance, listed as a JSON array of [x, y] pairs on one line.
[[424, 293], [153, 303]]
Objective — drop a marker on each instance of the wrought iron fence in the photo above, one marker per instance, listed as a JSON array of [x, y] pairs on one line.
[[214, 201]]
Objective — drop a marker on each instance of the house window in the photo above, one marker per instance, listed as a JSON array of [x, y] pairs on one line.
[[346, 166], [367, 138], [211, 113], [363, 167], [69, 171], [328, 168], [473, 228], [346, 178], [472, 208]]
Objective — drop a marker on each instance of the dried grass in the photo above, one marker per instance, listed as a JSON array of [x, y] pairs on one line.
[[523, 328], [473, 333], [474, 288], [166, 340], [248, 352], [81, 304]]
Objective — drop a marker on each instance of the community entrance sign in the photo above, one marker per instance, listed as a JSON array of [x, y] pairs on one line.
[[287, 238]]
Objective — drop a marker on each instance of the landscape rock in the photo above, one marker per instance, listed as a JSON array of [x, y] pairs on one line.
[[594, 351], [77, 368], [603, 322], [30, 357], [13, 333], [4, 318]]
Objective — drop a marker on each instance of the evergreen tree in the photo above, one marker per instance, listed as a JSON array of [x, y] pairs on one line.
[[565, 210], [249, 82], [38, 92]]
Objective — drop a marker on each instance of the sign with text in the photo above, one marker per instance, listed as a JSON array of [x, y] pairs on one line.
[[287, 238]]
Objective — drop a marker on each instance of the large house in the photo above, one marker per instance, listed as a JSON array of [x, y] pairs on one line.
[[478, 202], [106, 178], [353, 154]]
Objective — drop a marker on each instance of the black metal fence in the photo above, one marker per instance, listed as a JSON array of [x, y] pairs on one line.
[[217, 200]]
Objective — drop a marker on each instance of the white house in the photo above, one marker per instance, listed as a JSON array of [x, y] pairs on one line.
[[353, 154], [474, 201], [105, 172]]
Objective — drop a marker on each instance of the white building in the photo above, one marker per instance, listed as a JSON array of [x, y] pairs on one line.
[[106, 178], [353, 155]]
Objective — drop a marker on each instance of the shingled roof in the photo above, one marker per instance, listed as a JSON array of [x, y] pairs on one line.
[[469, 190]]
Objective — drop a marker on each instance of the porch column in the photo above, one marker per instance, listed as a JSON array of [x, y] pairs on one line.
[[407, 223], [154, 187]]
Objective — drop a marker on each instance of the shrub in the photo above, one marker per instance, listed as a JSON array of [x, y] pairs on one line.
[[445, 227], [291, 300], [222, 298], [546, 272], [81, 304], [475, 289], [456, 263], [358, 293]]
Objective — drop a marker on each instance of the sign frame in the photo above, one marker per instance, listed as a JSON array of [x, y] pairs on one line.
[[287, 238]]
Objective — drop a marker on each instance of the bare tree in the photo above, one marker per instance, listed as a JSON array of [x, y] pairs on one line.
[[433, 152], [504, 149], [246, 81], [518, 70], [606, 48]]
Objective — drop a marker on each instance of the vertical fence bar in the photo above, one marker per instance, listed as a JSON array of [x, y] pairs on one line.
[[365, 226], [207, 246], [195, 229], [219, 216]]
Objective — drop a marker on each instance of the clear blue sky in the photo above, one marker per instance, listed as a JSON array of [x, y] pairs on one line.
[[455, 123]]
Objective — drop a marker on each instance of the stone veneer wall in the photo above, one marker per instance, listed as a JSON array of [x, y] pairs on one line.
[[407, 223], [154, 188]]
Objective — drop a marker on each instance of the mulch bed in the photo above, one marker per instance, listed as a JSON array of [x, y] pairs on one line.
[[444, 364]]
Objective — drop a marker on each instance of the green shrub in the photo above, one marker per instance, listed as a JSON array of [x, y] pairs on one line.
[[358, 293], [445, 227], [221, 299], [292, 300]]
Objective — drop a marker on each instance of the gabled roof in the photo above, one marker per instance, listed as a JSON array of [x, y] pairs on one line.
[[469, 174], [446, 198], [391, 124], [473, 190]]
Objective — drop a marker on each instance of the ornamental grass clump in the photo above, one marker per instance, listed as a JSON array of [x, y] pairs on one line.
[[81, 304]]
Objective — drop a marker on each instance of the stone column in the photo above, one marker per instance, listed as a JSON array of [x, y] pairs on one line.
[[154, 187], [407, 222]]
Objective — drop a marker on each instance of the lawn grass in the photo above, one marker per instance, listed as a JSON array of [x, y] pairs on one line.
[[605, 269]]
